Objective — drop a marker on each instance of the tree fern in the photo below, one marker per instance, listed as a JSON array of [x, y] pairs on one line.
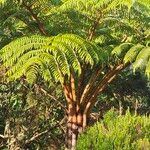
[[82, 60]]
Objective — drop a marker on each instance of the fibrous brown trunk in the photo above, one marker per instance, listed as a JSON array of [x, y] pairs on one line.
[[75, 125], [80, 103]]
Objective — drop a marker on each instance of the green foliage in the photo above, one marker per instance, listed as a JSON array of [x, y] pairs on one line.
[[132, 53], [117, 132], [123, 48], [52, 57], [120, 27], [29, 112], [137, 54]]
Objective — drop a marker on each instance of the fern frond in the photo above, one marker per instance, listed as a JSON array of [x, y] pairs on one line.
[[132, 53], [32, 73], [142, 59], [137, 54], [82, 48], [121, 49], [17, 71], [147, 71], [51, 57], [25, 44]]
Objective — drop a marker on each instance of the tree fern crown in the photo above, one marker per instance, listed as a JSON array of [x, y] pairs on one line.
[[52, 57]]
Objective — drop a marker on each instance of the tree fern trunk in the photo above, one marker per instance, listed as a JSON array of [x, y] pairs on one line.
[[76, 124]]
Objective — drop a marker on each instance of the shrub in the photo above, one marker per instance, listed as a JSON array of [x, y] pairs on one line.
[[116, 132]]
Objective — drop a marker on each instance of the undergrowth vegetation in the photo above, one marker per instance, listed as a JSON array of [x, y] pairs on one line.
[[119, 132]]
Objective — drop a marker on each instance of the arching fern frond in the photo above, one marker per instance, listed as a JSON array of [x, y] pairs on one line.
[[121, 49], [142, 59], [138, 55], [51, 57], [147, 71], [132, 53], [32, 73], [25, 44]]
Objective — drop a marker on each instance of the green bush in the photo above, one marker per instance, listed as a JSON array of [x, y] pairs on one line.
[[115, 132]]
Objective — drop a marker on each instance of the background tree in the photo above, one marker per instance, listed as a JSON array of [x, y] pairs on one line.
[[81, 61]]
